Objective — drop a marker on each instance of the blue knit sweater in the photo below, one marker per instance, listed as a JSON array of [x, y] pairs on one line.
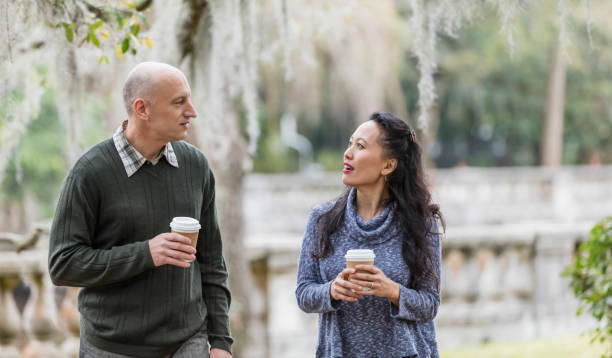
[[372, 326]]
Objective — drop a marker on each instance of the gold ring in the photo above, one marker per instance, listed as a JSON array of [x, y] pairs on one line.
[[372, 285]]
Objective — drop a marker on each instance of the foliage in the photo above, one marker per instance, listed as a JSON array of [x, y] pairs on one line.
[[491, 104], [121, 22], [272, 155], [37, 164], [591, 279]]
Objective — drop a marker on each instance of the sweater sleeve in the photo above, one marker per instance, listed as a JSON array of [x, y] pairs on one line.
[[312, 292], [72, 259], [214, 272], [421, 304]]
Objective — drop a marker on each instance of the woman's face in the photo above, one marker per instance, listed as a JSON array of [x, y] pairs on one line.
[[364, 162]]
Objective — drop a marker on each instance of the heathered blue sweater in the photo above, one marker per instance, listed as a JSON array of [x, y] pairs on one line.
[[372, 326]]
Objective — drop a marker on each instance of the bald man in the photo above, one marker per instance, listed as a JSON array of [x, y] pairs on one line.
[[146, 292]]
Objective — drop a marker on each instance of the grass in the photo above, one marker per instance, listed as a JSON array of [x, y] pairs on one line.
[[565, 347]]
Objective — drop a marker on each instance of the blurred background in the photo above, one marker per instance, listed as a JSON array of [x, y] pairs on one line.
[[510, 99]]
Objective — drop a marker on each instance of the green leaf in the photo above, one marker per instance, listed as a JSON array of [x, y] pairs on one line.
[[97, 24], [94, 39], [125, 45], [103, 59], [133, 51], [135, 29], [68, 32], [120, 19]]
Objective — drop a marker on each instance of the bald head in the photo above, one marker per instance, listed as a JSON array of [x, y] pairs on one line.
[[143, 80]]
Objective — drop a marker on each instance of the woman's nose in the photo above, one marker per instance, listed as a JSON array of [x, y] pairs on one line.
[[348, 153]]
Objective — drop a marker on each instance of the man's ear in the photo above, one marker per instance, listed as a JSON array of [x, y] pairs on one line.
[[389, 167], [140, 109]]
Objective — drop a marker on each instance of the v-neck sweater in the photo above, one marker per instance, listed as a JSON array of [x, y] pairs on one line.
[[99, 241]]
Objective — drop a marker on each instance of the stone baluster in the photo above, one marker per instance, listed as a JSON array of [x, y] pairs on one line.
[[10, 318], [40, 313], [489, 274]]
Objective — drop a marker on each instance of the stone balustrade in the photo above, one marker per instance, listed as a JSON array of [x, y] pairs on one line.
[[37, 320]]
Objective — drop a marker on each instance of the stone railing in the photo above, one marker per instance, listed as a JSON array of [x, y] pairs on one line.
[[504, 283], [498, 283], [37, 320]]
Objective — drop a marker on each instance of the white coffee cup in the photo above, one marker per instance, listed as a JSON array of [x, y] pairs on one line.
[[359, 257], [186, 226]]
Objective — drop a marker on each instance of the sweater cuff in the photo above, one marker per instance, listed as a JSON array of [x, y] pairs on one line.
[[401, 312], [329, 303], [221, 343], [146, 254]]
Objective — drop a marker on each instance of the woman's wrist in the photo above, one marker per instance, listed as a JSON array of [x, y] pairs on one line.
[[395, 293]]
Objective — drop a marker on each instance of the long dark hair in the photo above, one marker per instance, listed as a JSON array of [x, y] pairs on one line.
[[407, 187]]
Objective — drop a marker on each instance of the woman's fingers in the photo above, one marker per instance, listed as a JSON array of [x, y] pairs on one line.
[[368, 268], [344, 294], [362, 276], [348, 287], [367, 284]]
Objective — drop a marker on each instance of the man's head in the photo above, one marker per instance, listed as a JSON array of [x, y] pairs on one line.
[[157, 98]]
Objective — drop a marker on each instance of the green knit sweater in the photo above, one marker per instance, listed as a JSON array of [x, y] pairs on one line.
[[99, 241]]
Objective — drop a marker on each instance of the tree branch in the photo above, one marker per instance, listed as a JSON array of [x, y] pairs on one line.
[[188, 31]]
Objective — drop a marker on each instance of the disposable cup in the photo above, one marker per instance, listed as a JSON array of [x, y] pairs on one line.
[[359, 257], [186, 226]]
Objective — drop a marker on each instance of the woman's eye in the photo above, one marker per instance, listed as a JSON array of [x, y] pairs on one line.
[[350, 144], [360, 146]]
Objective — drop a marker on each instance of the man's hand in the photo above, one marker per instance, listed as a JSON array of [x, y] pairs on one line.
[[171, 249], [219, 353]]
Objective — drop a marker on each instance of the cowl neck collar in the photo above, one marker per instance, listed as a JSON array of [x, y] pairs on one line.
[[376, 230]]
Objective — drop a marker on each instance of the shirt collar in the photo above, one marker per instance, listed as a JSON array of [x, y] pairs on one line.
[[132, 159]]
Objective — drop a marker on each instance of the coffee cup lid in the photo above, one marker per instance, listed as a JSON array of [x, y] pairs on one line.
[[359, 254], [185, 224]]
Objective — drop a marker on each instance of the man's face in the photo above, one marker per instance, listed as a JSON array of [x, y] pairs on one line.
[[170, 110]]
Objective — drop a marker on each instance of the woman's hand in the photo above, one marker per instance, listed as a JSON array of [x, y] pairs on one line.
[[379, 284], [342, 289]]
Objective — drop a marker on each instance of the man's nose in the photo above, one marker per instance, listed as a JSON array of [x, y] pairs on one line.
[[190, 110]]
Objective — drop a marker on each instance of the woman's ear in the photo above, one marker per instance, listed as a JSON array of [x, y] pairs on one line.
[[389, 167]]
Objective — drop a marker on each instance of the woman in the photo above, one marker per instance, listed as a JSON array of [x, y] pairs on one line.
[[385, 309]]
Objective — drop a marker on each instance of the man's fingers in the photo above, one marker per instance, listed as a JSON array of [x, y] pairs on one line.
[[180, 255], [179, 247], [175, 262], [179, 238]]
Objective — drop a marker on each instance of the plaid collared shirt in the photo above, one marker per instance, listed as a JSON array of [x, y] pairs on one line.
[[132, 159]]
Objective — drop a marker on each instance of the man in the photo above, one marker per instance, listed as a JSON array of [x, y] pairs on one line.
[[146, 292]]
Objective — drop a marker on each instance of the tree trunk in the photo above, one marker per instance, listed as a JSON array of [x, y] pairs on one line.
[[552, 136], [229, 169]]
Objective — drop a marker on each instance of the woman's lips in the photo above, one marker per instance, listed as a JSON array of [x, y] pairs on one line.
[[347, 168]]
